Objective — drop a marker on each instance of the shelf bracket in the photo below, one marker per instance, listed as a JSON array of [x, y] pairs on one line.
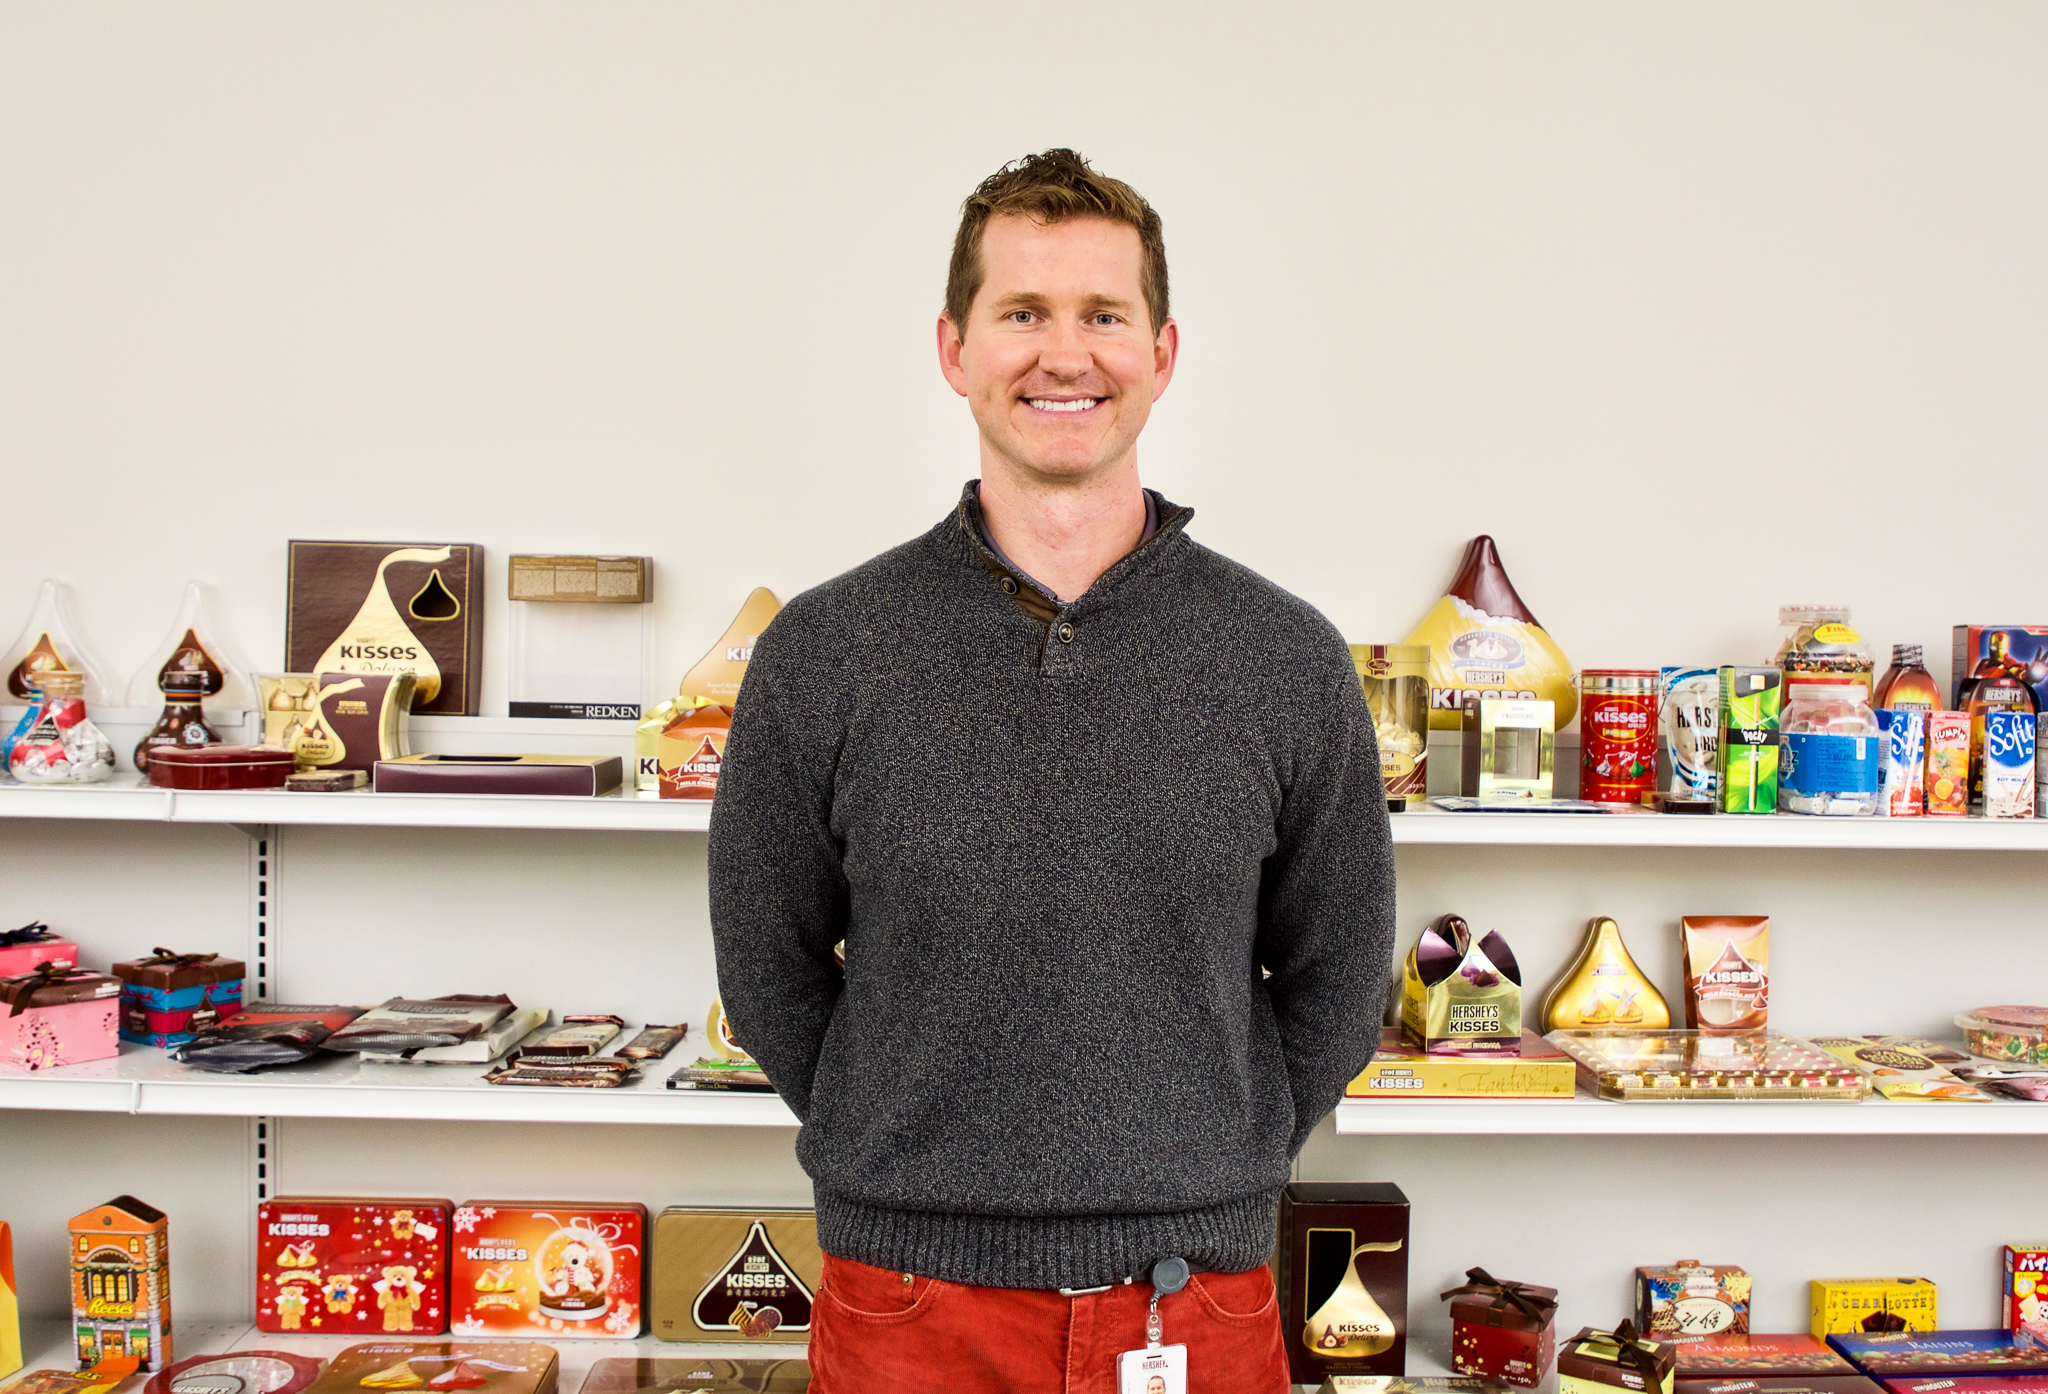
[[264, 848]]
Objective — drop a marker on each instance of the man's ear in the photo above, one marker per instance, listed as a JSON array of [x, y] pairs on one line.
[[950, 348]]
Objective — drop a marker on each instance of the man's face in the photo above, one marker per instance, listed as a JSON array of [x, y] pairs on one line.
[[1058, 361]]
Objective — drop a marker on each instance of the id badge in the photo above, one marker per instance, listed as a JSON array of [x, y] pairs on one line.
[[1160, 1370]]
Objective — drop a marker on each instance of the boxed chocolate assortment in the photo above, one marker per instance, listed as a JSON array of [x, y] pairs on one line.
[[168, 998], [1965, 1384], [1751, 1354], [337, 721], [1539, 1070], [488, 1367], [1502, 1330], [388, 608], [735, 1275], [1461, 993], [1882, 1355], [1341, 1267], [1594, 1362], [58, 1016], [28, 948], [557, 1269], [1690, 1298], [121, 1284], [1873, 1304], [350, 1265], [1786, 1384], [576, 775]]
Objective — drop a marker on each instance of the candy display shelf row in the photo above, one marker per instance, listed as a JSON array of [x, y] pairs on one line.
[[126, 799], [143, 1080], [46, 1345], [1585, 1115]]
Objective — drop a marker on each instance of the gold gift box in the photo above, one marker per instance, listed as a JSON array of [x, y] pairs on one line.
[[735, 1275]]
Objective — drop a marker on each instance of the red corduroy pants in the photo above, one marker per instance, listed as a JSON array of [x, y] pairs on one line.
[[876, 1332]]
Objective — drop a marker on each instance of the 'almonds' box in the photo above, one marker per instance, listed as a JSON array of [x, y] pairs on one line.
[[563, 1268], [342, 1266]]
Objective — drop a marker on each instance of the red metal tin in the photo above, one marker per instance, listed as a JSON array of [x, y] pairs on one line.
[[1617, 734]]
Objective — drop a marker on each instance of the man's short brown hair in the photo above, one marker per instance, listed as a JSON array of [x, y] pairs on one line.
[[1051, 188]]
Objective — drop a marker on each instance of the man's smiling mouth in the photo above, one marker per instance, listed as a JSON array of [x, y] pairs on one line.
[[1047, 404]]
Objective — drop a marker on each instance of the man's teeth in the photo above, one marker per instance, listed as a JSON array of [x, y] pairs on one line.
[[1080, 405]]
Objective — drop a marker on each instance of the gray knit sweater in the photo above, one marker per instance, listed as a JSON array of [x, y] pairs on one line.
[[1060, 853]]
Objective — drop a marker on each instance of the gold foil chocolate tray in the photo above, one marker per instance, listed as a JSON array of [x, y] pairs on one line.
[[1679, 1065]]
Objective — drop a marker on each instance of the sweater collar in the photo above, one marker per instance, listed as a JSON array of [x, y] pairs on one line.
[[1164, 523]]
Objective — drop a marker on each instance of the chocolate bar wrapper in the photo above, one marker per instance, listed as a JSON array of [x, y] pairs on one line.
[[1885, 1354]]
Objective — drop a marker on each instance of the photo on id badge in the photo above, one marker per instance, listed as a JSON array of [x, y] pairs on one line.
[[1160, 1370]]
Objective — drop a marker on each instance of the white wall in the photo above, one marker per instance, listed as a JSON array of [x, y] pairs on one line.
[[1698, 308]]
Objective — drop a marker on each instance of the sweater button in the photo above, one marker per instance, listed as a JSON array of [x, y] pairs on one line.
[[1066, 633], [1009, 585]]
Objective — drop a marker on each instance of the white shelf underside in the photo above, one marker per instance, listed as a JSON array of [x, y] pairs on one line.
[[142, 1080], [125, 799]]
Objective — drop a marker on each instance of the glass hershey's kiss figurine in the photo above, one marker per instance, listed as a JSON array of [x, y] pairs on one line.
[[197, 643], [63, 747]]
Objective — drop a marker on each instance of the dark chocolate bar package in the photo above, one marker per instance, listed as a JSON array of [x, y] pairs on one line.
[[416, 1023], [263, 1035], [1342, 1270], [1884, 1354], [391, 607]]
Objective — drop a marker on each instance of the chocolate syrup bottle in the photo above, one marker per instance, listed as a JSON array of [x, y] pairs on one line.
[[1907, 685]]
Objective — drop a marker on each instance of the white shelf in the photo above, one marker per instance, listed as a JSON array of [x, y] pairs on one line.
[[145, 1080], [46, 1345], [125, 798], [1435, 828], [1583, 1115]]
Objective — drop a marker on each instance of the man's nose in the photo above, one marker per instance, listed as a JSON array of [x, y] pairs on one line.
[[1065, 353]]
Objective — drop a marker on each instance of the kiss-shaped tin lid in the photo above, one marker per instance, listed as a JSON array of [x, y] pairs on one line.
[[244, 1372]]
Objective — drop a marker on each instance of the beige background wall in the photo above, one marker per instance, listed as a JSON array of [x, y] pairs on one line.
[[1698, 308]]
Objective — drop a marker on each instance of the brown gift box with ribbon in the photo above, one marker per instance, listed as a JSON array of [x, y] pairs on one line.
[[57, 1016], [1594, 1362], [168, 998], [1502, 1330]]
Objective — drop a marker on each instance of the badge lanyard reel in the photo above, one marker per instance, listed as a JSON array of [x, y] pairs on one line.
[[1157, 1369]]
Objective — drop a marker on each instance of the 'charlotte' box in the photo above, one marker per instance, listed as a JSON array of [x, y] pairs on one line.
[[735, 1275], [1873, 1304], [346, 1267], [168, 998], [564, 1268], [57, 1016], [1342, 1270]]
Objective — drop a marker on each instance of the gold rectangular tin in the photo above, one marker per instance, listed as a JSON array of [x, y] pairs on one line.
[[735, 1275]]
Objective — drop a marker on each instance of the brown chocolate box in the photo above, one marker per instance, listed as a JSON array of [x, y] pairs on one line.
[[1592, 1357], [584, 775], [1342, 1270], [389, 607], [1496, 1337]]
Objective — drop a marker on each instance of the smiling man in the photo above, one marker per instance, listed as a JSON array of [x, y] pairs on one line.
[[1098, 817]]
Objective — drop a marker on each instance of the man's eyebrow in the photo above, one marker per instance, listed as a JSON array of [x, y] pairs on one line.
[[1022, 298]]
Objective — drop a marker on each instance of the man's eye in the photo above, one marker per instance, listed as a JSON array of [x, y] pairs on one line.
[[1105, 318], [1020, 316]]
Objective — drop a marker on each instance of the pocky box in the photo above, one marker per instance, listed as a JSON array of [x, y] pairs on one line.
[[2009, 764], [1727, 973], [342, 1266], [1750, 704], [1902, 764], [558, 1269], [1948, 764]]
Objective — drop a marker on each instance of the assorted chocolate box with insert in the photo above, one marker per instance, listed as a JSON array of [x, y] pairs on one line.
[[1342, 1270]]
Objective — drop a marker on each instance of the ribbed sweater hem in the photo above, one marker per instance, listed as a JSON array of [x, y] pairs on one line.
[[1021, 1251]]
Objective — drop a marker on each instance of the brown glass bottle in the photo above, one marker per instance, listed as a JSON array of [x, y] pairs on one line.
[[183, 723]]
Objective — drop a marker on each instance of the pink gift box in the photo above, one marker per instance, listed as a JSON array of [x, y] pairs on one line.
[[58, 1016], [22, 949]]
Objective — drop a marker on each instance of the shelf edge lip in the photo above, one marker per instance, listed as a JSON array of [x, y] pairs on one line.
[[1705, 1118]]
